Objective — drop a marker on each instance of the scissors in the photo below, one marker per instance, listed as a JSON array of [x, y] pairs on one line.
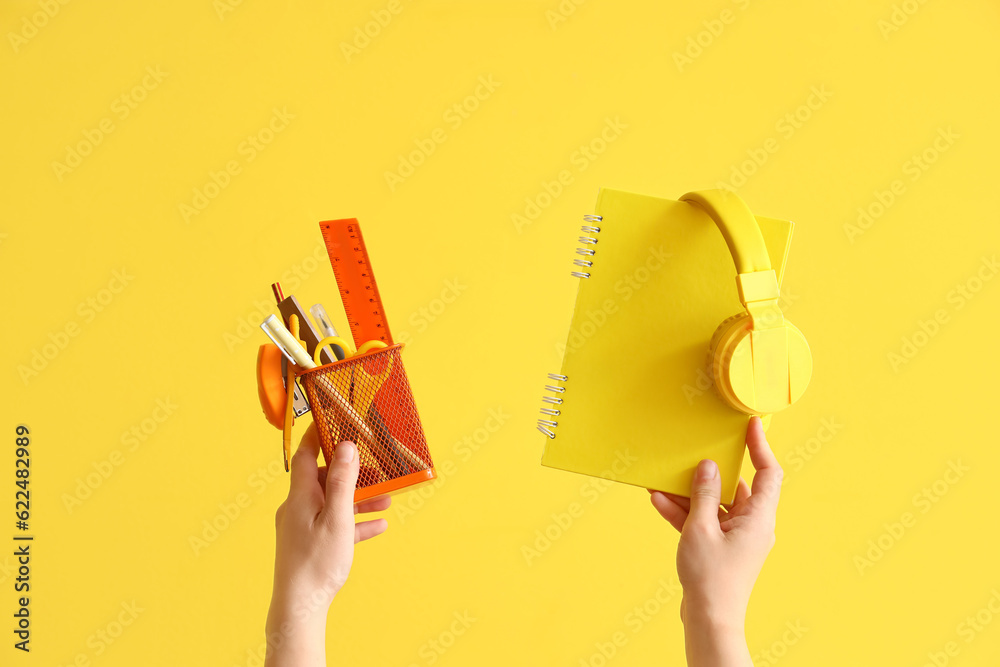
[[360, 387]]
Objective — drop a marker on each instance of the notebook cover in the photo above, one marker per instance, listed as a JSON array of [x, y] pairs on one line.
[[638, 406]]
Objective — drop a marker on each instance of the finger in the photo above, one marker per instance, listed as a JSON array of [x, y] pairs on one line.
[[369, 529], [373, 505], [669, 509], [321, 476], [683, 501], [742, 492], [706, 492], [341, 478], [740, 502], [303, 465], [767, 480]]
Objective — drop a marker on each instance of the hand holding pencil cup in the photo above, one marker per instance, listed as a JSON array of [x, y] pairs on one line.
[[361, 396], [365, 398]]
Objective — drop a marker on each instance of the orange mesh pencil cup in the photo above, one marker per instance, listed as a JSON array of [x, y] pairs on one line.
[[367, 399]]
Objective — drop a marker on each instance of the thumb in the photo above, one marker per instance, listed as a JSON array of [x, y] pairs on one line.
[[706, 492], [341, 478]]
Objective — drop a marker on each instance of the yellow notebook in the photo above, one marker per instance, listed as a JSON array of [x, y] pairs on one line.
[[633, 401]]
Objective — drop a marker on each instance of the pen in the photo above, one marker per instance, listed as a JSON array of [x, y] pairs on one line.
[[326, 326]]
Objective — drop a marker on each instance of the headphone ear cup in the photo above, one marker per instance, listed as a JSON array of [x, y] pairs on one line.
[[717, 334], [730, 363], [719, 353], [800, 365]]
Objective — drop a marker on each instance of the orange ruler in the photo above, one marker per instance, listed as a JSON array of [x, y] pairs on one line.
[[355, 281]]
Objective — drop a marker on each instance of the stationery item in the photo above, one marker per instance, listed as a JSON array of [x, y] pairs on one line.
[[288, 344], [658, 274], [299, 405], [286, 427], [295, 351], [290, 306], [276, 342], [270, 384], [355, 281], [361, 386], [396, 457], [364, 396], [286, 431], [272, 368], [323, 320]]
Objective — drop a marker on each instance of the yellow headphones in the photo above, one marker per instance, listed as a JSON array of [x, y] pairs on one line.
[[760, 362]]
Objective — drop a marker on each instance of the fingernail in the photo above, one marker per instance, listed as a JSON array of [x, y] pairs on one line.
[[344, 452], [707, 470]]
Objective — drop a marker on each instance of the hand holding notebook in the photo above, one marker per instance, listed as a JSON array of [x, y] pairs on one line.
[[658, 273]]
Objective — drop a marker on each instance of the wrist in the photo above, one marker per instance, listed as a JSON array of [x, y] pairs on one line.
[[294, 638], [708, 616], [713, 633], [297, 611]]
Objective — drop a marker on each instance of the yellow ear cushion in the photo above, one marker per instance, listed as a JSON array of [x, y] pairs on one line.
[[759, 372]]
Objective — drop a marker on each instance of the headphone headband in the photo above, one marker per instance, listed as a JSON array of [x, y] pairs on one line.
[[738, 227]]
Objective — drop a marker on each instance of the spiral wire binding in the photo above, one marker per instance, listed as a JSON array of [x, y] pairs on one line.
[[590, 228], [551, 408], [545, 425]]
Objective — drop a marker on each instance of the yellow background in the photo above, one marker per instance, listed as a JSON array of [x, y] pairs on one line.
[[195, 283]]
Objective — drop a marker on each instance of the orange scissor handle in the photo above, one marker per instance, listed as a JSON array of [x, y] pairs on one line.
[[270, 384]]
